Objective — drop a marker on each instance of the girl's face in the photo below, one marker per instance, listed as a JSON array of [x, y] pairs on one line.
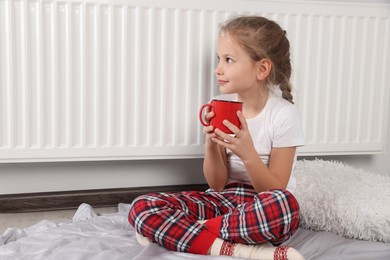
[[236, 71]]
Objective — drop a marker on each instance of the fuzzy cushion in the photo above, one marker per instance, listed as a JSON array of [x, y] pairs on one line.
[[338, 198]]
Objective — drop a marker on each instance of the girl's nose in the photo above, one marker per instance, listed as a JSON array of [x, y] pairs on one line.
[[218, 70]]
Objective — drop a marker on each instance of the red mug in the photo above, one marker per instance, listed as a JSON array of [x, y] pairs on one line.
[[222, 110]]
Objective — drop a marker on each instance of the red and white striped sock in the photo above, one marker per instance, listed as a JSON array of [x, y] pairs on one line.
[[259, 251]]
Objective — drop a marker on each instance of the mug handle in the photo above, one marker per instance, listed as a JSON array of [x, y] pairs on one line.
[[201, 114]]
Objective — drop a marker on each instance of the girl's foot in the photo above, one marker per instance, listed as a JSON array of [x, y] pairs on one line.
[[143, 241], [260, 251]]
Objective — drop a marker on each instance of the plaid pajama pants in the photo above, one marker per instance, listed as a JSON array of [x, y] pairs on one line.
[[237, 214]]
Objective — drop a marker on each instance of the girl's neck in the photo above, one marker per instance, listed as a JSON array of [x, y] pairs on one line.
[[254, 102]]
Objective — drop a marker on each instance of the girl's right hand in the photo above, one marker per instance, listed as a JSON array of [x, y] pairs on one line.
[[209, 130]]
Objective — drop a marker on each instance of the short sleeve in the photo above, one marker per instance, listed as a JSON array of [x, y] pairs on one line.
[[288, 130]]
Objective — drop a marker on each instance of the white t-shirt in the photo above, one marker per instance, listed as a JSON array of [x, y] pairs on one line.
[[278, 125]]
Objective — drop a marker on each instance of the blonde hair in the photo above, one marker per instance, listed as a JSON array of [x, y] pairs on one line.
[[262, 38]]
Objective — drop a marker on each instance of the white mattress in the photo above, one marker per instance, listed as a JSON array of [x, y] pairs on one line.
[[109, 236]]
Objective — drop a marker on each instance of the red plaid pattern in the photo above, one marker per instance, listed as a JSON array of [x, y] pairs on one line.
[[170, 219]]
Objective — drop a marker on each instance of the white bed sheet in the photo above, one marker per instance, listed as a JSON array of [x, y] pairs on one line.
[[109, 236]]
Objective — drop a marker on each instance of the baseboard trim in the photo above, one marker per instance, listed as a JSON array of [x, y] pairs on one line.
[[47, 201]]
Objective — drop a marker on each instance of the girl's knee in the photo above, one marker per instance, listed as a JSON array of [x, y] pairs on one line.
[[282, 210], [285, 202], [281, 196], [289, 209], [290, 200], [141, 206], [136, 207]]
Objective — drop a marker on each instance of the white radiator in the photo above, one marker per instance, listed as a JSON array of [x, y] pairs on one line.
[[109, 80]]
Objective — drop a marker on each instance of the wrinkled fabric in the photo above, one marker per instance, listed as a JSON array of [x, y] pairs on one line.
[[110, 236]]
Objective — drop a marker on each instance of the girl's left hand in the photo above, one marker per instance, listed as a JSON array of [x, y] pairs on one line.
[[241, 143]]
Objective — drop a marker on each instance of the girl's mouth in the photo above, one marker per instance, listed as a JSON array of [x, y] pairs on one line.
[[222, 82]]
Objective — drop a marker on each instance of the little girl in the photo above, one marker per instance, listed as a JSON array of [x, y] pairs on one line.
[[249, 209]]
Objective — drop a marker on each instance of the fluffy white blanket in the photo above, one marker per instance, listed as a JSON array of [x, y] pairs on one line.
[[338, 198]]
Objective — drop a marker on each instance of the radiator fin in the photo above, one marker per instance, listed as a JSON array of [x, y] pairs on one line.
[[95, 80]]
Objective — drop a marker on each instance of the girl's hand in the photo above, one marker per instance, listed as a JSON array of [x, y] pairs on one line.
[[209, 130], [241, 143]]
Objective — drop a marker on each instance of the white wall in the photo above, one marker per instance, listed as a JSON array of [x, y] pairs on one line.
[[42, 177]]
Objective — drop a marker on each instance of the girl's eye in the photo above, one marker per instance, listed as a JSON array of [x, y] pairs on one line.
[[225, 59]]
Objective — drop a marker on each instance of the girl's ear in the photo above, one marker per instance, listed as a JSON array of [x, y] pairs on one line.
[[263, 68]]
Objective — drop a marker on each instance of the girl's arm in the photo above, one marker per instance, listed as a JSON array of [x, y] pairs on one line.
[[215, 167], [276, 175]]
